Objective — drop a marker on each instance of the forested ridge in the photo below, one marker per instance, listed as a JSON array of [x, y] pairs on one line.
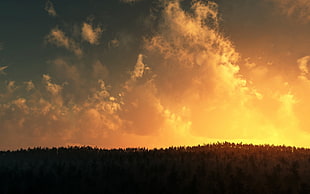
[[213, 168]]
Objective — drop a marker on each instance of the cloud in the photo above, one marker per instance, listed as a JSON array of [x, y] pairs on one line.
[[298, 9], [59, 38], [139, 68], [49, 8], [196, 69], [114, 43], [46, 116], [91, 34], [186, 87], [3, 68], [130, 1], [303, 64], [78, 77], [140, 97], [141, 110], [54, 89], [29, 85]]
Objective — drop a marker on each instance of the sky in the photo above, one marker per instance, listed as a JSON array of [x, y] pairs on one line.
[[154, 73]]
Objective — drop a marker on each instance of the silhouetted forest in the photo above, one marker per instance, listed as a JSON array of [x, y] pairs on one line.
[[214, 168]]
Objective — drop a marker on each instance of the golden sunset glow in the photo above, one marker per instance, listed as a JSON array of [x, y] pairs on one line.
[[190, 85]]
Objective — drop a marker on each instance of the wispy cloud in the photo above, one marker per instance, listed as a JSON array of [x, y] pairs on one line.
[[90, 33], [49, 8], [59, 38], [130, 1], [29, 85], [3, 68], [296, 9]]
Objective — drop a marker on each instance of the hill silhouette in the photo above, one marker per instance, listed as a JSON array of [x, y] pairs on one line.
[[213, 168]]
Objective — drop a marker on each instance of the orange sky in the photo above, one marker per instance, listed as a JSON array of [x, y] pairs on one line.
[[198, 78]]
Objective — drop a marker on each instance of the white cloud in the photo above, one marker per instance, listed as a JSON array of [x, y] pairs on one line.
[[90, 33]]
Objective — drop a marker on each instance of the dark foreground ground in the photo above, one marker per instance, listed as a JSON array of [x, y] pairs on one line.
[[217, 168]]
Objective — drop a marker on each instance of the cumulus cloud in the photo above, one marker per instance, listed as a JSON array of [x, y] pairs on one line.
[[140, 97], [58, 38], [90, 33], [198, 70], [45, 116], [49, 8], [186, 87], [54, 89]]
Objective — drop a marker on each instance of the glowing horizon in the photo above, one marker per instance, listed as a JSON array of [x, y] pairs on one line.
[[192, 82]]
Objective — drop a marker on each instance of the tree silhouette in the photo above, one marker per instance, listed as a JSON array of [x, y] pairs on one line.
[[213, 168]]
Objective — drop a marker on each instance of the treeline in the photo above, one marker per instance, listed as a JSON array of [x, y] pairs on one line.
[[214, 168]]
